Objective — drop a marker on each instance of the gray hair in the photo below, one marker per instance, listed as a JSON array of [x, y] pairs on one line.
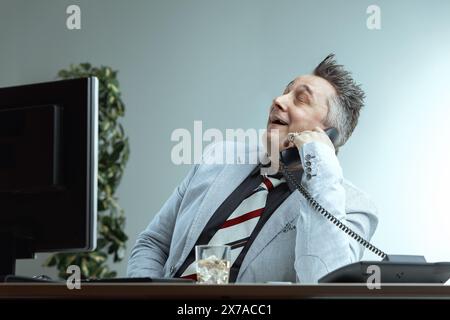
[[345, 106]]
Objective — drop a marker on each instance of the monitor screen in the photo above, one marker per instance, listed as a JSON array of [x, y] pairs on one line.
[[48, 164], [30, 148]]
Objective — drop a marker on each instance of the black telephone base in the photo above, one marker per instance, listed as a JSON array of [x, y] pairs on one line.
[[393, 269]]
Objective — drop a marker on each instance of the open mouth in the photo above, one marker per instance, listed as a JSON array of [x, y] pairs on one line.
[[278, 120]]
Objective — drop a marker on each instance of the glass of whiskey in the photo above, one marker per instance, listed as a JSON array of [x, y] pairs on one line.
[[213, 263]]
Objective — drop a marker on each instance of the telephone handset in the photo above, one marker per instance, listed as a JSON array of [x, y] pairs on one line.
[[394, 268], [291, 155]]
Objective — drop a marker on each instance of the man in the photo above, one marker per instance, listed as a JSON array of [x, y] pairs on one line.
[[274, 232]]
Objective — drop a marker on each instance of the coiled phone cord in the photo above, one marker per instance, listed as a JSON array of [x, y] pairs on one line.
[[324, 212]]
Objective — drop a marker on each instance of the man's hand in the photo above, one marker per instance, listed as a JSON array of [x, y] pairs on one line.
[[309, 136]]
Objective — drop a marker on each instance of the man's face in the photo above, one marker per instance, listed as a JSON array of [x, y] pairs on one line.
[[302, 106]]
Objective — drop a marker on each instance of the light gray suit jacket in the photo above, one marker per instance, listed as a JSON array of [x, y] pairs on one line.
[[296, 244]]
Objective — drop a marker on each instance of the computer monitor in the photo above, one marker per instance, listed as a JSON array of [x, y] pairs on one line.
[[48, 169]]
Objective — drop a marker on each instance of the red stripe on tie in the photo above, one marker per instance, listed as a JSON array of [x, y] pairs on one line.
[[190, 276], [244, 217], [268, 184]]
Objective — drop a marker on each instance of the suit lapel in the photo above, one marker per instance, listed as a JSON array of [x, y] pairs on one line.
[[226, 182], [286, 213]]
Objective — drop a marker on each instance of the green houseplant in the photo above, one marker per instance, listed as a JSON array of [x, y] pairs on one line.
[[113, 152]]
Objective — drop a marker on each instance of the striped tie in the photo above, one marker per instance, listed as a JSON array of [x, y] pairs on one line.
[[236, 230]]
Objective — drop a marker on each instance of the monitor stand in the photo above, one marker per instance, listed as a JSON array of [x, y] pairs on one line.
[[14, 244]]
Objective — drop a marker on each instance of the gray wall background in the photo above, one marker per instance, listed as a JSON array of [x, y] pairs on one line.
[[223, 61]]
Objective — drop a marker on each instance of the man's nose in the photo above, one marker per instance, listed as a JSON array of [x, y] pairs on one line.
[[280, 102]]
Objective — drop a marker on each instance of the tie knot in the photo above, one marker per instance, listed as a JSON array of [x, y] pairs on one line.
[[270, 183]]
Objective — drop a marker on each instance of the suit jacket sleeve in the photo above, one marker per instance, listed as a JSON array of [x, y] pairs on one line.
[[151, 250], [322, 247]]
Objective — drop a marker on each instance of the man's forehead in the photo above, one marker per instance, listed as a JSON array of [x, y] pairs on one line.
[[311, 83]]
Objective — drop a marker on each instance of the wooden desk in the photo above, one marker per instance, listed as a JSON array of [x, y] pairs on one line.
[[151, 291]]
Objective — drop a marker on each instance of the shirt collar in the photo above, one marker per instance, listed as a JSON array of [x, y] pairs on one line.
[[297, 174]]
